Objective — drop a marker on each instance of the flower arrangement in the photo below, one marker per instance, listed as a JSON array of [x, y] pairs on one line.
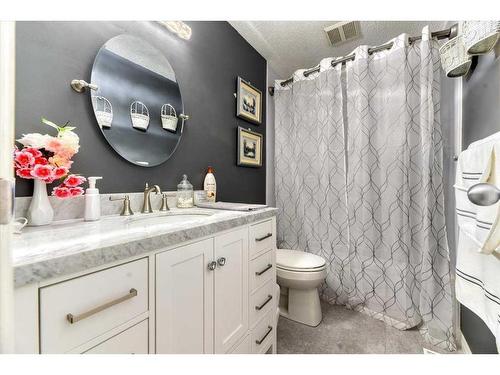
[[48, 158]]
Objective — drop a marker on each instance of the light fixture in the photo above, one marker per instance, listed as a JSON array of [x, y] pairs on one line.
[[178, 27]]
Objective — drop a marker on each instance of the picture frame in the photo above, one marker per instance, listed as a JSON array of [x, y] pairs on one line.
[[249, 148], [248, 102]]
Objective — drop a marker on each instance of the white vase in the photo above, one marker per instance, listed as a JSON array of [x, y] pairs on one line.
[[40, 211]]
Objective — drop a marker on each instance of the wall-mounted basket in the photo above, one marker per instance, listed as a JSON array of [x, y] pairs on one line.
[[454, 58], [480, 36], [103, 111], [169, 118], [140, 115]]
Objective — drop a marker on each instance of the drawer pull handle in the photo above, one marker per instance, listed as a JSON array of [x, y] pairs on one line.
[[269, 266], [263, 237], [269, 298], [73, 319], [212, 265], [269, 329]]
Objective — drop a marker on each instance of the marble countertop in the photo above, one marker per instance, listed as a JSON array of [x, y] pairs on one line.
[[71, 246]]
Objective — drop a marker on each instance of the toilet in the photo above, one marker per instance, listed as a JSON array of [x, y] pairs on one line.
[[299, 275]]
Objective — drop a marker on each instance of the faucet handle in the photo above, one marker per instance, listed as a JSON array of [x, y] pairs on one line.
[[126, 210], [146, 187], [164, 203]]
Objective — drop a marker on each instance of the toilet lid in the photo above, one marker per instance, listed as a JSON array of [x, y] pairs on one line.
[[298, 260]]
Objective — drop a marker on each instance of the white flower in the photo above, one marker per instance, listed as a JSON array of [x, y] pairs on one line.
[[70, 140], [35, 140]]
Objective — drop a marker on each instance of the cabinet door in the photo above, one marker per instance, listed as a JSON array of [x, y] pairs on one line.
[[184, 299], [231, 289]]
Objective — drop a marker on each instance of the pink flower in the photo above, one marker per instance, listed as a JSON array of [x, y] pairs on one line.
[[61, 192], [42, 172], [41, 160], [60, 172], [24, 159], [75, 191], [24, 173], [65, 153], [49, 180], [53, 144], [74, 180], [60, 162], [33, 151]]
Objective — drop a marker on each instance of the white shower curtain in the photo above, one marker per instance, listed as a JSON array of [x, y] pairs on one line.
[[389, 258], [310, 172]]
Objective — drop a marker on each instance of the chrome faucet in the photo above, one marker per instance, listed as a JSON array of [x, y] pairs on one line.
[[146, 206]]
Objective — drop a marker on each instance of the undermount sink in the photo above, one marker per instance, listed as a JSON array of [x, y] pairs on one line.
[[167, 218]]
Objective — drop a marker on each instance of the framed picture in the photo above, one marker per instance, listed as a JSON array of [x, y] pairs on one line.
[[248, 102], [249, 148]]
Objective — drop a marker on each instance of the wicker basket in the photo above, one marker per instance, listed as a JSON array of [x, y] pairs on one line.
[[168, 118], [140, 115], [480, 36], [454, 58], [103, 111]]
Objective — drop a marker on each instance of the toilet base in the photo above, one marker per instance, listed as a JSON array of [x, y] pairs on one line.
[[301, 305]]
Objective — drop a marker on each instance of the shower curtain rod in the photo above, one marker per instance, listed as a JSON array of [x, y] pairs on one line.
[[441, 34]]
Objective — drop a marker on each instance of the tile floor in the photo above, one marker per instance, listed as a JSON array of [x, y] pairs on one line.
[[346, 332]]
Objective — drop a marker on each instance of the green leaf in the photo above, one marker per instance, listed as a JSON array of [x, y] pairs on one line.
[[50, 123]]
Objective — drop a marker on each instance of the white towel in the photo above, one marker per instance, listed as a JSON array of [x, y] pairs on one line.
[[478, 257], [231, 206]]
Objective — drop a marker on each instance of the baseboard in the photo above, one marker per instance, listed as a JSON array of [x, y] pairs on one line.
[[464, 347]]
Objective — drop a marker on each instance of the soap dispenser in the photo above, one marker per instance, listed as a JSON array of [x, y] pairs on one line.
[[92, 200]]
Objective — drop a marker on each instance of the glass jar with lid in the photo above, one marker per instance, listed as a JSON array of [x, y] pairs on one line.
[[185, 198]]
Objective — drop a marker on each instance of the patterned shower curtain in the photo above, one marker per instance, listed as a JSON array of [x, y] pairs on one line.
[[310, 172], [370, 199]]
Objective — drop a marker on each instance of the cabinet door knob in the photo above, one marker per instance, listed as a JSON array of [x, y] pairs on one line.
[[221, 261], [212, 265]]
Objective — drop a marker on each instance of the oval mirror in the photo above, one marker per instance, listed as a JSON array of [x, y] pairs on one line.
[[137, 102]]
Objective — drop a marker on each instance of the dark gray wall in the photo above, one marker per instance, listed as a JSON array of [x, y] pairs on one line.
[[481, 118], [51, 54]]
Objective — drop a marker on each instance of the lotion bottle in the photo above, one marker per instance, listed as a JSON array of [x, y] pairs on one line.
[[92, 201], [209, 185]]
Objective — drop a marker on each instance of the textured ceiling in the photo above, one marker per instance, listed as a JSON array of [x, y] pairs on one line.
[[292, 45]]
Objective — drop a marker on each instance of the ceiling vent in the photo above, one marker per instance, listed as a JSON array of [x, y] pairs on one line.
[[342, 32]]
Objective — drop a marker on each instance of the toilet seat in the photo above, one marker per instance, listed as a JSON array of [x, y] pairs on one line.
[[299, 261]]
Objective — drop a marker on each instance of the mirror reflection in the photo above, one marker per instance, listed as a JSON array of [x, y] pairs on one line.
[[138, 103]]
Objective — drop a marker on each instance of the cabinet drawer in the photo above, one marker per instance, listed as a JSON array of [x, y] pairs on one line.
[[262, 238], [78, 310], [244, 347], [262, 301], [262, 269], [263, 334], [132, 341]]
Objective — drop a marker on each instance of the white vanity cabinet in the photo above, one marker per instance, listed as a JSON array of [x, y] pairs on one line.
[[202, 295], [184, 299], [134, 340], [231, 289], [215, 294], [76, 311]]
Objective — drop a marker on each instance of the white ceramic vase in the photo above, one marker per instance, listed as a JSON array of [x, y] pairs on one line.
[[40, 211]]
